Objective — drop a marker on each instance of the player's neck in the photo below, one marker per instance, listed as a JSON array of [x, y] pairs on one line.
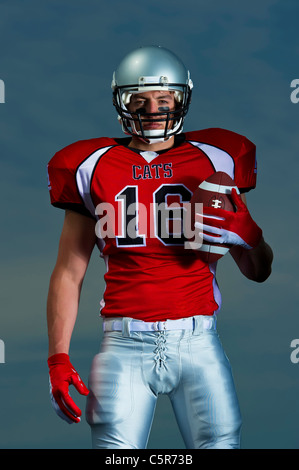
[[138, 144]]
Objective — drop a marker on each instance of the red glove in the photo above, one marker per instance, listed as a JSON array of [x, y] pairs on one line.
[[232, 228], [62, 374]]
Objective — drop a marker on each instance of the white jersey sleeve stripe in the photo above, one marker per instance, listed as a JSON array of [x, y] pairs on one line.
[[221, 160]]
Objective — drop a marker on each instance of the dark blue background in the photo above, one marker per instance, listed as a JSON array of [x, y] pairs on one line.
[[57, 59]]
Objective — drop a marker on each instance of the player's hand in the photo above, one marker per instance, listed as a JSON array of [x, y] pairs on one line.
[[62, 374], [233, 228]]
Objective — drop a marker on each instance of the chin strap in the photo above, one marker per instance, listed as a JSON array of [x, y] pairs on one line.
[[151, 136], [152, 141]]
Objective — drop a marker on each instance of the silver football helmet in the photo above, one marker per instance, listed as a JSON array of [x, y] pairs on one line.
[[151, 68]]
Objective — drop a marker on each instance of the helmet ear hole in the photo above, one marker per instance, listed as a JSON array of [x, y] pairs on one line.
[[151, 68]]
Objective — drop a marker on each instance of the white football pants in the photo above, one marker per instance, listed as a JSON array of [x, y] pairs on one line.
[[190, 366]]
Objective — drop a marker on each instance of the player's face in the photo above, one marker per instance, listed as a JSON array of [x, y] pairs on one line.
[[152, 102]]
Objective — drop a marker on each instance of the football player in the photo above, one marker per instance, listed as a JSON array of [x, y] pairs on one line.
[[161, 300]]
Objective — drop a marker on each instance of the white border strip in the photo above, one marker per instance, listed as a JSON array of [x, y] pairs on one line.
[[217, 188]]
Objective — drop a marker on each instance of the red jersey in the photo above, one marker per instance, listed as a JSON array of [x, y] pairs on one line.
[[150, 275]]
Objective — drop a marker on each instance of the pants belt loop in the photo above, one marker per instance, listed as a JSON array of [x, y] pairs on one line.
[[197, 325], [126, 326]]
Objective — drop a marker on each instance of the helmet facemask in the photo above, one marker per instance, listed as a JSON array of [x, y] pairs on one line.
[[129, 119]]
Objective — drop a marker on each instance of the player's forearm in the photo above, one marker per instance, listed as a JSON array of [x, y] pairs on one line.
[[62, 309], [256, 263]]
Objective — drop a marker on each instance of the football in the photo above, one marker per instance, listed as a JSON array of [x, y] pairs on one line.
[[213, 192]]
